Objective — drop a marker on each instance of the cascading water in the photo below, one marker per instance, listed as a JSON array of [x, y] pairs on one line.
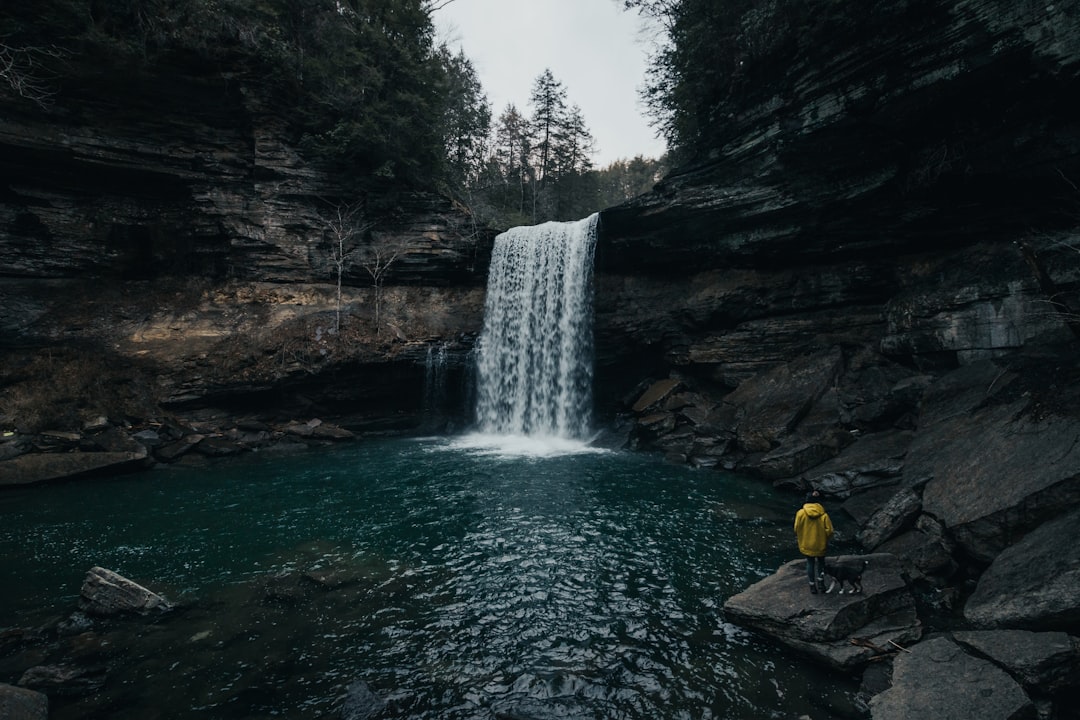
[[535, 354]]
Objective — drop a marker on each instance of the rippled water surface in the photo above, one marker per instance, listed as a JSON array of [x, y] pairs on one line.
[[417, 579]]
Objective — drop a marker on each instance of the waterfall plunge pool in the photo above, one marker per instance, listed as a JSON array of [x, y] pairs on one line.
[[437, 578]]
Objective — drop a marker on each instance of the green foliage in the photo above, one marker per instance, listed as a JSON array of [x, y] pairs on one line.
[[366, 91], [715, 54]]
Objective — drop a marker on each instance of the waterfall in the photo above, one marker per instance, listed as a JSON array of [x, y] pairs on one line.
[[535, 354]]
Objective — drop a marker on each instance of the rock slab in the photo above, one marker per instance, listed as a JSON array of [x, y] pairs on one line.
[[937, 679], [18, 703], [842, 631], [106, 593]]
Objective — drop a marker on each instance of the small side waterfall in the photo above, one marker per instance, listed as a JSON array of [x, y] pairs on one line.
[[535, 354]]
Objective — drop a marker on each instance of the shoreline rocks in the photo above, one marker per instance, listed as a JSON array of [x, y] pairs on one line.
[[26, 460]]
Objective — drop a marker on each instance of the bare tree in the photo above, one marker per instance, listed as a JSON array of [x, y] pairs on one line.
[[351, 244], [23, 70], [347, 227], [376, 257]]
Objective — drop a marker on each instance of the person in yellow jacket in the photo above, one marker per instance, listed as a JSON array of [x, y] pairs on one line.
[[814, 529]]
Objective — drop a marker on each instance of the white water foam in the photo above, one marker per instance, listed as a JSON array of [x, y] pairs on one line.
[[535, 354], [517, 446]]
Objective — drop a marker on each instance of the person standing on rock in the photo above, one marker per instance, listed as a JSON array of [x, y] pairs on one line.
[[814, 529]]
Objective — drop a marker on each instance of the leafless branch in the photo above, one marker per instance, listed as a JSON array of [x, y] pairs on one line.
[[22, 69]]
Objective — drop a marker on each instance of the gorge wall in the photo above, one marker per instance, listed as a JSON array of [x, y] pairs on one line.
[[165, 248], [871, 289]]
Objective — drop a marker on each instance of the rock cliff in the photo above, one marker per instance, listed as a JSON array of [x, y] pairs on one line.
[[165, 248], [871, 288]]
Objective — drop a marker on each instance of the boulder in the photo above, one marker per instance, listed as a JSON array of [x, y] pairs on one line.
[[1000, 454], [874, 460], [894, 516], [69, 680], [42, 467], [922, 553], [937, 679], [360, 702], [105, 593], [842, 631], [767, 407], [657, 392], [1047, 661], [1034, 584], [18, 703]]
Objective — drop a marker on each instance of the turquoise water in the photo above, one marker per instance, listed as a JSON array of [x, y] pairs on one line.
[[447, 580]]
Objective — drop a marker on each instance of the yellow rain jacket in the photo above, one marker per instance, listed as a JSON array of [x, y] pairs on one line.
[[813, 529]]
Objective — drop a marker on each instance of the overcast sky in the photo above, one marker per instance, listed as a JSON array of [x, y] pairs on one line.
[[594, 48]]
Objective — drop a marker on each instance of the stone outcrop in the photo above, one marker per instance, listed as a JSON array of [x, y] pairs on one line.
[[1034, 583], [842, 631], [18, 703], [902, 217], [938, 679], [165, 251], [106, 593]]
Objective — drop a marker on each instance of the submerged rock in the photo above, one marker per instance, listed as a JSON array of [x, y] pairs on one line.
[[18, 703], [106, 593], [41, 467], [843, 631], [360, 702]]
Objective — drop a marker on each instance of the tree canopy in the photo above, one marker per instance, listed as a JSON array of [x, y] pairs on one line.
[[367, 90]]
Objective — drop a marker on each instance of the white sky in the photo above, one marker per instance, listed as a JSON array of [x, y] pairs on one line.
[[594, 48]]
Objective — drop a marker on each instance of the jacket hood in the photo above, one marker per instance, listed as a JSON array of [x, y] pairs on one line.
[[814, 510]]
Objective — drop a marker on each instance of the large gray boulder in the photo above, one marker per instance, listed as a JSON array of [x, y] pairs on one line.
[[842, 631], [765, 409], [873, 461], [1034, 584], [106, 593], [18, 703], [1047, 661], [42, 467], [999, 453], [938, 680]]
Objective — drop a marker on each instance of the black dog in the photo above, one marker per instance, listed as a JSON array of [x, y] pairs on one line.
[[849, 572]]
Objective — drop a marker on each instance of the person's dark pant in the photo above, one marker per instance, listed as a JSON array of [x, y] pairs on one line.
[[815, 568]]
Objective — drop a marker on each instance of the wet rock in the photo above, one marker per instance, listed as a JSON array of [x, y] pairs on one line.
[[218, 447], [42, 467], [656, 394], [177, 449], [872, 461], [328, 431], [1047, 661], [923, 553], [937, 679], [96, 424], [898, 513], [798, 453], [18, 703], [1034, 584], [74, 624], [113, 439], [360, 702], [843, 631], [767, 407], [106, 593], [149, 438], [66, 680], [13, 445], [999, 452]]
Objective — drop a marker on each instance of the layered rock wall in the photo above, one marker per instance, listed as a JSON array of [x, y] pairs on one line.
[[171, 235]]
